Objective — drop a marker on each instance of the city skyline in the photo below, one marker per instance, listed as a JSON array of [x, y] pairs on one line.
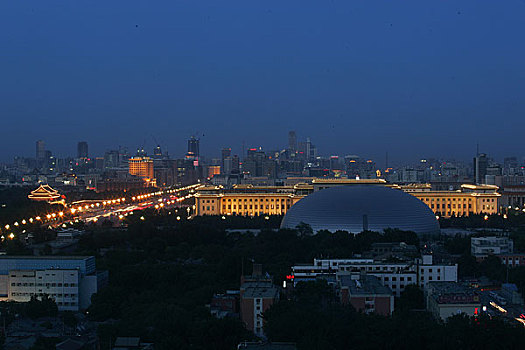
[[149, 149], [416, 80]]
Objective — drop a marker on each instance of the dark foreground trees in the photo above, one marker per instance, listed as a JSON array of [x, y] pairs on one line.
[[313, 322]]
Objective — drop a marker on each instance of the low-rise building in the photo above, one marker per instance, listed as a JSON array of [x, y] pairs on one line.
[[512, 259], [257, 294], [445, 299], [481, 247], [394, 275], [69, 280], [366, 293]]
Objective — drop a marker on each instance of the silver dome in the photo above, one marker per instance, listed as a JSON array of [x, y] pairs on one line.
[[355, 208]]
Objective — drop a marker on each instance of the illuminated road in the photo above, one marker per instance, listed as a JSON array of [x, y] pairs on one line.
[[94, 210]]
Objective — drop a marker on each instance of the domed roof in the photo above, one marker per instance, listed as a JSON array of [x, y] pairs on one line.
[[355, 208]]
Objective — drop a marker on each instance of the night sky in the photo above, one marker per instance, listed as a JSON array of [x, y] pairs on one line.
[[414, 78]]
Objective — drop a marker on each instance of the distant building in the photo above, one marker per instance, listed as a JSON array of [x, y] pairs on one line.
[[40, 150], [292, 141], [366, 293], [481, 164], [143, 168], [513, 196], [157, 152], [481, 247], [389, 249], [119, 184], [213, 170], [69, 280], [82, 149], [193, 147], [445, 299]]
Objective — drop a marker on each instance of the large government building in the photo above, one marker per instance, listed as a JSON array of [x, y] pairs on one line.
[[250, 200]]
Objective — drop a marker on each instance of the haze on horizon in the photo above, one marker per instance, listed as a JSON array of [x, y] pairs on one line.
[[416, 79]]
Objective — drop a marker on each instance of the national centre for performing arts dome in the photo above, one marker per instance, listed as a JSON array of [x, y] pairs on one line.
[[356, 208]]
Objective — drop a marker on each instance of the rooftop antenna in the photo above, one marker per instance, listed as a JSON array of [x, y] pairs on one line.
[[477, 149]]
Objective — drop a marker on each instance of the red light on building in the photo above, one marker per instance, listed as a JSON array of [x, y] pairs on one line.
[[290, 277], [476, 310]]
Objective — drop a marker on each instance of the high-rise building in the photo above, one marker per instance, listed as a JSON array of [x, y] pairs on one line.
[[193, 147], [226, 161], [292, 141], [142, 167], [510, 165], [481, 163], [226, 152], [157, 152], [40, 150], [82, 149]]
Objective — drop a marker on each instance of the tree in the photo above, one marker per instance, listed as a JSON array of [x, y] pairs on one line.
[[304, 229], [36, 308], [69, 319], [411, 298]]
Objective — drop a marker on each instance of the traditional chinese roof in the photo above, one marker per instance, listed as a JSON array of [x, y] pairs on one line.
[[44, 193]]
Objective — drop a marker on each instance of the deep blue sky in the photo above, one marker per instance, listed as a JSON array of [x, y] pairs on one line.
[[416, 78]]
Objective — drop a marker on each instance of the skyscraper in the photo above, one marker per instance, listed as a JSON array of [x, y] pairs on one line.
[[40, 150], [193, 147], [157, 152], [226, 158], [82, 149], [292, 141], [481, 163]]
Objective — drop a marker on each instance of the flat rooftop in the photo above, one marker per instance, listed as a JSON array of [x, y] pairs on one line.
[[365, 284]]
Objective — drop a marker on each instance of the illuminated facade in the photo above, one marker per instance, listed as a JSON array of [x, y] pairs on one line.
[[245, 200], [471, 199], [142, 167], [252, 200]]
